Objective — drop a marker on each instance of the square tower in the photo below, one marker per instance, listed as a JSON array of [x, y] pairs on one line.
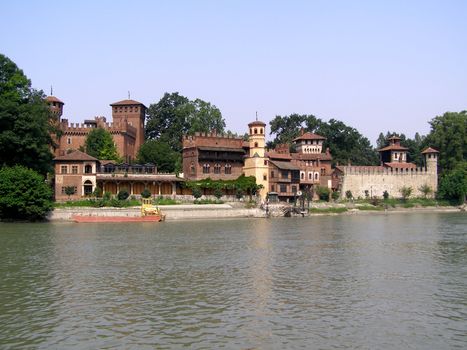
[[133, 113]]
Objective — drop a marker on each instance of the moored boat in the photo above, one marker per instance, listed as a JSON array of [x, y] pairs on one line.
[[109, 219]]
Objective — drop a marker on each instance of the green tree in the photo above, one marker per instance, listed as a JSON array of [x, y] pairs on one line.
[[449, 136], [146, 193], [25, 121], [159, 153], [24, 194], [197, 193], [175, 116], [323, 193], [453, 184], [99, 143], [405, 192], [69, 190], [123, 194], [426, 190]]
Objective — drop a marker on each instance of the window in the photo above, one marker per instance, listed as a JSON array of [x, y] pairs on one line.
[[283, 188], [87, 169], [310, 175], [265, 162], [256, 131], [272, 174], [74, 169], [87, 187], [284, 174], [323, 171], [217, 169], [256, 144], [273, 188], [265, 177], [63, 169], [68, 141], [206, 168], [192, 168], [261, 130], [316, 176], [294, 189], [302, 176], [228, 169]]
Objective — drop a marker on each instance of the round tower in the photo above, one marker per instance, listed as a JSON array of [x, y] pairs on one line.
[[431, 163], [255, 163], [55, 105]]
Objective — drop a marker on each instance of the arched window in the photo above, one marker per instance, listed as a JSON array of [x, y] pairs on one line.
[[310, 175], [87, 169], [206, 168], [192, 168], [256, 131], [302, 176], [256, 144], [261, 130], [87, 187], [217, 169], [228, 169], [316, 176]]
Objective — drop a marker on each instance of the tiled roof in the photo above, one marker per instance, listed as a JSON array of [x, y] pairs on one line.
[[257, 122], [311, 156], [284, 165], [126, 103], [393, 148], [76, 156], [53, 99], [400, 165], [222, 149], [429, 150], [275, 155], [310, 136]]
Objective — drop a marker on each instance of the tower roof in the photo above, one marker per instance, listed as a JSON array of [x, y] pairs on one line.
[[127, 103], [53, 99], [429, 150], [309, 136], [76, 156], [393, 147], [257, 122]]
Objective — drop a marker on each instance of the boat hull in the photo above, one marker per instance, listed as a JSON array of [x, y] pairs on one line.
[[97, 219]]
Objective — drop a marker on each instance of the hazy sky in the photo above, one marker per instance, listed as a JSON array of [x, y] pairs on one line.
[[375, 65]]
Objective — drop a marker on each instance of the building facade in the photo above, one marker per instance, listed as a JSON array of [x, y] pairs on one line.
[[127, 128]]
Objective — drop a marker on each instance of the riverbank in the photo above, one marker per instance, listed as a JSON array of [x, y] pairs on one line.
[[220, 211]]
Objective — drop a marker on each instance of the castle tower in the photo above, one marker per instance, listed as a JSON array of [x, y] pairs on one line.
[[255, 163], [55, 105], [394, 153], [133, 113], [431, 162]]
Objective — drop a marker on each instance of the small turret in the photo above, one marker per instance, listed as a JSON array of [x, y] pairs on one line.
[[257, 138], [55, 105], [431, 159]]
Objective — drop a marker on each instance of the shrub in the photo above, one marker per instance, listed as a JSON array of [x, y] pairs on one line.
[[97, 192], [367, 194], [405, 192], [196, 191], [323, 193], [146, 193], [123, 194], [426, 190], [24, 194], [239, 193], [107, 195], [335, 195], [385, 195], [69, 190], [218, 193], [348, 195], [453, 184]]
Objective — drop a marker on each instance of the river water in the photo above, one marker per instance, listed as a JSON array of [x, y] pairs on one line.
[[379, 281]]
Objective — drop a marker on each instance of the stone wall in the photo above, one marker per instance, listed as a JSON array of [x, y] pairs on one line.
[[375, 181]]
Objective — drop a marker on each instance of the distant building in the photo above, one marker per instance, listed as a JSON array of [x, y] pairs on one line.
[[127, 128]]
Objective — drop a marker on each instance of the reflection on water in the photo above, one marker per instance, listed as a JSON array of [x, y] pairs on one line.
[[379, 281]]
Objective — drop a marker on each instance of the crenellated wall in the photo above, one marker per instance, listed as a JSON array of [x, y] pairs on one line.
[[376, 180]]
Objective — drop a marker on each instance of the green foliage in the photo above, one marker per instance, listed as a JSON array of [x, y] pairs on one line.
[[25, 121], [165, 201], [335, 195], [405, 192], [453, 184], [69, 190], [367, 194], [385, 194], [99, 203], [196, 191], [218, 193], [345, 143], [175, 116], [246, 184], [123, 194], [107, 195], [97, 192], [160, 154], [331, 210], [24, 194], [208, 201], [100, 144], [426, 190], [239, 193], [449, 136], [323, 193], [415, 146], [369, 207], [348, 194], [146, 193]]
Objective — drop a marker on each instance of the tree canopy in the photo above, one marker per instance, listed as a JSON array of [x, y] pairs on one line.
[[159, 153], [100, 144], [175, 116], [24, 121], [345, 143]]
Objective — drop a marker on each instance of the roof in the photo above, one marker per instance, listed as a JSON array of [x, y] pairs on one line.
[[311, 156], [142, 177], [275, 155], [394, 137], [310, 136], [76, 156], [53, 99], [221, 149], [284, 165], [393, 148], [429, 150], [257, 122], [400, 165], [126, 103]]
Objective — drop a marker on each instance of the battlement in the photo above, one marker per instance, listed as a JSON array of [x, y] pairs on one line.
[[88, 125], [379, 170], [212, 139], [211, 135]]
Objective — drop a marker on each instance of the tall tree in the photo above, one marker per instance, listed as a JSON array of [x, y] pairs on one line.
[[24, 121], [159, 153], [100, 144], [175, 116], [449, 136]]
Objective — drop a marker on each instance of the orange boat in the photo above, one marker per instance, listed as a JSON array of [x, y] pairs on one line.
[[87, 218]]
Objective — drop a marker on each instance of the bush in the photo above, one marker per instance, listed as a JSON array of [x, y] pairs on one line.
[[385, 195], [453, 184], [335, 195], [323, 193], [405, 192], [146, 193], [24, 194], [69, 190], [348, 195], [218, 193], [239, 193], [107, 195], [196, 191], [426, 190], [97, 192], [123, 194]]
